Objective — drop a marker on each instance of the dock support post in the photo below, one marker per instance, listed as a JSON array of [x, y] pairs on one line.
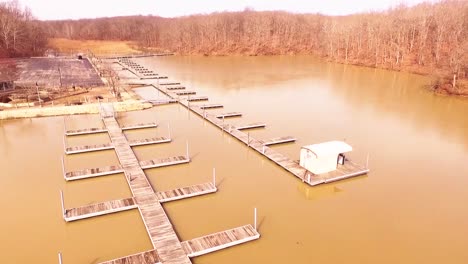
[[367, 162], [255, 218], [187, 154], [63, 203], [248, 139], [223, 122], [263, 149], [204, 115], [63, 168], [308, 178], [60, 257], [214, 177]]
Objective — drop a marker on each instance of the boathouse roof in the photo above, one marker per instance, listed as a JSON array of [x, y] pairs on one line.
[[329, 148]]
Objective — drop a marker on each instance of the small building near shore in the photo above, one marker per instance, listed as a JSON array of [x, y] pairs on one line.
[[324, 157]]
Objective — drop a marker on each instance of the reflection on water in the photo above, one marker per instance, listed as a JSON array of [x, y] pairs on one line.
[[409, 209]]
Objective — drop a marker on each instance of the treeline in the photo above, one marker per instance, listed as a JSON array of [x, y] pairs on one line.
[[424, 38], [20, 34]]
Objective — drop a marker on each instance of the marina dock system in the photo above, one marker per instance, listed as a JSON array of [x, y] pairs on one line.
[[347, 170], [167, 246]]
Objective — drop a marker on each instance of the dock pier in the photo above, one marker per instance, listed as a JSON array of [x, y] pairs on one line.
[[167, 247], [347, 170]]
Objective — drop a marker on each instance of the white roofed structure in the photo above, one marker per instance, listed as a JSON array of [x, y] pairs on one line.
[[324, 157]]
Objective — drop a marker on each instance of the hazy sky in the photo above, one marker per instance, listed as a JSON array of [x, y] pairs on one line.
[[63, 9]]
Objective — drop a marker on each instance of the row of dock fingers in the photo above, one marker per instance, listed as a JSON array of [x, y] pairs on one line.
[[145, 199]]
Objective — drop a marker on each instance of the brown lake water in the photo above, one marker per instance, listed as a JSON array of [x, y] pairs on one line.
[[411, 208]]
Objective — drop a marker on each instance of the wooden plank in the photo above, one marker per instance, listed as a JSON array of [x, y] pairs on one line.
[[139, 126], [148, 257], [86, 131], [99, 209], [217, 241], [279, 140], [149, 141], [88, 148], [185, 93], [186, 192], [93, 172], [251, 126], [170, 83], [164, 162], [176, 88], [227, 115], [211, 106], [197, 98]]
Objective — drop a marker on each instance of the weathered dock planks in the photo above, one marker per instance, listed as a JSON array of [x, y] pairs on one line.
[[139, 126], [93, 172], [164, 162], [170, 83], [279, 140], [250, 126], [159, 228], [185, 92], [176, 88], [197, 98], [88, 148], [186, 192], [149, 141], [210, 243], [211, 106], [228, 115], [148, 257], [86, 131], [98, 209], [348, 170]]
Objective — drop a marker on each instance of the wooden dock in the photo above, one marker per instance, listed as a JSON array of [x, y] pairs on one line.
[[88, 148], [148, 257], [164, 162], [185, 92], [93, 172], [176, 88], [187, 192], [167, 246], [149, 141], [228, 115], [170, 83], [98, 209], [207, 244], [139, 126], [85, 131], [197, 98], [348, 170], [279, 140], [211, 106], [250, 126], [115, 169]]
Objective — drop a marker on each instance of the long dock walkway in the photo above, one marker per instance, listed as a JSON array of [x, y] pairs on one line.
[[162, 235], [348, 170]]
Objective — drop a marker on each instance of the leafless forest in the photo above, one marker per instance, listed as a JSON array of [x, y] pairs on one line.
[[427, 38], [20, 34]]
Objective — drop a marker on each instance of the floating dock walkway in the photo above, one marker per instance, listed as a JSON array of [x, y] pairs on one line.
[[348, 170], [168, 249]]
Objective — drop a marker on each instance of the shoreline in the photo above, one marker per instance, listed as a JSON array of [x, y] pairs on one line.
[[50, 111]]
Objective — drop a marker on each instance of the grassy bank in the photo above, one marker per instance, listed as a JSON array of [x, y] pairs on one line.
[[97, 47]]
